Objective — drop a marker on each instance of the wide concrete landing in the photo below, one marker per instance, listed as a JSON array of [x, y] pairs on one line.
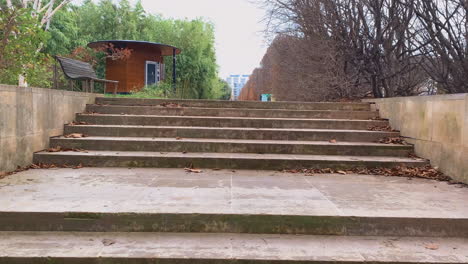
[[241, 201], [184, 248]]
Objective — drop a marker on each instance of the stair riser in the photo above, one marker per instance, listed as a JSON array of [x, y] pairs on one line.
[[237, 104], [229, 134], [226, 122], [180, 146], [116, 110], [238, 223], [209, 162]]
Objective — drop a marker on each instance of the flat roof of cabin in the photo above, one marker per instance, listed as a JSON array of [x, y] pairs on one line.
[[166, 50]]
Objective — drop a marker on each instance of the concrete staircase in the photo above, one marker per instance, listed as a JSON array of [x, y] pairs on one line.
[[165, 215], [228, 135]]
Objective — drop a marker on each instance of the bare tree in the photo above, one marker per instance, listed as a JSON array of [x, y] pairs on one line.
[[370, 42], [443, 38]]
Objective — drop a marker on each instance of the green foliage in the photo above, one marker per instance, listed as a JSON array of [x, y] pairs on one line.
[[26, 48], [197, 70], [20, 40], [160, 90]]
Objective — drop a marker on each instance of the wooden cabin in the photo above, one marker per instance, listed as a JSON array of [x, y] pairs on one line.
[[145, 66]]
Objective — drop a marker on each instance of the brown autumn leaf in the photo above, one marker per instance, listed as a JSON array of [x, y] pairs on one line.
[[56, 149], [81, 123], [333, 141], [75, 135], [386, 128], [178, 138], [432, 246], [341, 172], [108, 242], [193, 170]]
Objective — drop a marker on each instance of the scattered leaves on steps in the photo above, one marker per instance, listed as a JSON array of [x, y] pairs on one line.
[[427, 172], [386, 128], [171, 105], [60, 149], [393, 140], [39, 166], [76, 135], [75, 123]]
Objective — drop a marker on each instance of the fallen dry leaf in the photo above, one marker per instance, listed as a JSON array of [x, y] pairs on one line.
[[178, 138], [108, 242], [393, 140], [56, 149], [333, 141], [432, 246], [193, 170], [81, 123], [171, 105], [387, 128], [75, 135], [427, 172]]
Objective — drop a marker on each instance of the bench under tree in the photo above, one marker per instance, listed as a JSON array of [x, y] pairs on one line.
[[76, 70]]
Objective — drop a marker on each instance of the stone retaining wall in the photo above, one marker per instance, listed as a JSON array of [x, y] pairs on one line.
[[29, 116], [436, 125]]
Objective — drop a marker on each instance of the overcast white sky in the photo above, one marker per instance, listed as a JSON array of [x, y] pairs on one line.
[[239, 41]]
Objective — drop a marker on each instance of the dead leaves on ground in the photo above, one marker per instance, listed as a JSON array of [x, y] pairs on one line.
[[193, 170], [81, 123], [108, 242], [386, 128], [427, 172], [76, 135], [60, 149], [333, 141], [393, 140], [432, 246], [172, 105], [40, 166]]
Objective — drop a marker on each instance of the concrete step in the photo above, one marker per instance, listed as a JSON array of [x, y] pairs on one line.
[[230, 112], [230, 133], [235, 104], [183, 248], [205, 121], [219, 160], [256, 202], [232, 146]]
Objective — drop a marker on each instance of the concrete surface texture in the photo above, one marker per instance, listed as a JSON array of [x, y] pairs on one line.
[[159, 133], [436, 125], [30, 116], [119, 212], [221, 216]]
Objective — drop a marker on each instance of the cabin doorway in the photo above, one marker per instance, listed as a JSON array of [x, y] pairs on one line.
[[152, 73]]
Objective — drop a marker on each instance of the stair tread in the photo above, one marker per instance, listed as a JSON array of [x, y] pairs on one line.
[[231, 109], [219, 246], [236, 141], [243, 128], [235, 117], [218, 155]]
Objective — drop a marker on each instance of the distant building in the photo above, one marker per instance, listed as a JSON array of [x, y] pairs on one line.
[[237, 82]]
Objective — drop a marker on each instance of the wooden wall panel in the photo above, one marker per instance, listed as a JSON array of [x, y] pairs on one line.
[[131, 72]]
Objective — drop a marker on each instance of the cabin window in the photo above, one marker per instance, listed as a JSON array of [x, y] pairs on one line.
[[152, 72]]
